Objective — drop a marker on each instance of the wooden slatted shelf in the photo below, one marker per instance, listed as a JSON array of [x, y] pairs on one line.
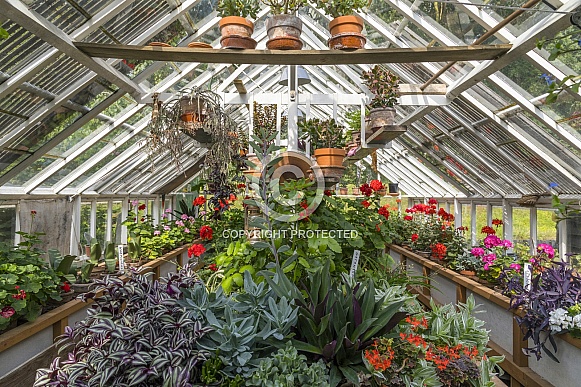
[[294, 57], [385, 134]]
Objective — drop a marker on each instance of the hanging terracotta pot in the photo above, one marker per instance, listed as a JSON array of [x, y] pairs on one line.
[[346, 33], [379, 117], [284, 32], [236, 32]]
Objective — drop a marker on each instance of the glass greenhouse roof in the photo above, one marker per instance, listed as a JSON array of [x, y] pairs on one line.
[[71, 124]]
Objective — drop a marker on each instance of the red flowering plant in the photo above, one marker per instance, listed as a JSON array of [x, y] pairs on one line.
[[435, 348]]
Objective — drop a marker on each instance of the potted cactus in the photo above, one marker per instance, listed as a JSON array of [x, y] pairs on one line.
[[384, 85], [346, 27], [283, 27], [235, 27]]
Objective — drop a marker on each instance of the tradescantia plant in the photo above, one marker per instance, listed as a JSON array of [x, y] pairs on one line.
[[135, 334], [555, 287], [337, 320]]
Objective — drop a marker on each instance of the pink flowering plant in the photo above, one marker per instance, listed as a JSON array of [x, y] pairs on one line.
[[493, 254]]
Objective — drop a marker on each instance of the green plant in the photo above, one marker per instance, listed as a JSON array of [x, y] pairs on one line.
[[211, 370], [110, 257], [62, 265], [322, 134], [466, 261], [27, 282], [383, 84], [286, 368], [242, 8], [337, 319], [238, 258], [84, 275], [284, 7], [336, 8]]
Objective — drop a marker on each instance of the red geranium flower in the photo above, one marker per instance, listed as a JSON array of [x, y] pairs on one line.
[[200, 200], [408, 217], [66, 287], [213, 267], [384, 211], [7, 312], [196, 250], [376, 185], [439, 251], [366, 189], [415, 237], [304, 204], [432, 202], [206, 233], [241, 185], [488, 230], [33, 212], [365, 203], [141, 207], [328, 192], [497, 222]]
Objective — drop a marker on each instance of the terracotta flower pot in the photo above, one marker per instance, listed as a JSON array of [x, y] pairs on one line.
[[342, 191], [379, 117], [382, 192], [284, 32], [329, 156], [346, 33], [236, 32]]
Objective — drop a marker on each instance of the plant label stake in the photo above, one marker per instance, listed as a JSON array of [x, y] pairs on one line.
[[354, 263], [121, 259], [527, 275]]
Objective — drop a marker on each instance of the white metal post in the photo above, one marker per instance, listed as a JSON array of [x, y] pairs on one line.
[[156, 211], [562, 240], [473, 232], [93, 219], [293, 109], [533, 230], [488, 213], [507, 220], [75, 226], [124, 212], [17, 224], [109, 226], [457, 212]]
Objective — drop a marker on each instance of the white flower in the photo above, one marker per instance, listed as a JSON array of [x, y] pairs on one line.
[[559, 320], [576, 322]]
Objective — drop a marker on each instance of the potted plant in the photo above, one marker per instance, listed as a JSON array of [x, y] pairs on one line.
[[283, 27], [346, 27], [327, 141], [235, 28], [343, 191], [383, 84]]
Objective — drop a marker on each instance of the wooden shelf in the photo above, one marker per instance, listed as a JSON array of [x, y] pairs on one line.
[[360, 154], [294, 57], [386, 134]]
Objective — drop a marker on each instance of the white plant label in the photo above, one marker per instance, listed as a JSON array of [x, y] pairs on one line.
[[527, 276], [354, 263], [121, 258]]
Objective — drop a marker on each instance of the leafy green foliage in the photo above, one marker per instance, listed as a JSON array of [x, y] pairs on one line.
[[286, 368], [336, 8], [27, 282], [322, 134], [242, 8], [284, 7], [384, 86], [337, 320]]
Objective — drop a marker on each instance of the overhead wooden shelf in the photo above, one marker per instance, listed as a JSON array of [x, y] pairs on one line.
[[298, 57], [360, 154], [385, 134]]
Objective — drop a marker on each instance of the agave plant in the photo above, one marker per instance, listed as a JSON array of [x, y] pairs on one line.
[[337, 320]]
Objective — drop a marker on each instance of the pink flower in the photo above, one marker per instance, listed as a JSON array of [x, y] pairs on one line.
[[489, 258], [156, 232], [492, 241], [546, 249], [477, 251], [515, 266], [180, 223], [166, 228], [135, 202], [184, 217], [167, 210], [506, 243], [187, 230], [7, 312], [487, 266], [163, 216]]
